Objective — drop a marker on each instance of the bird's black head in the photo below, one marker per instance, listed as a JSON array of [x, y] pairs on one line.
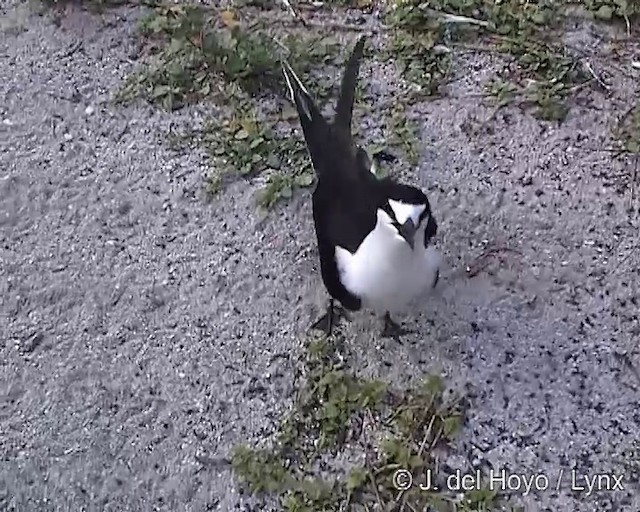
[[410, 212]]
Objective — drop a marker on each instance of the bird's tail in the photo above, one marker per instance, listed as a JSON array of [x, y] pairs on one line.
[[314, 126], [299, 94], [344, 107]]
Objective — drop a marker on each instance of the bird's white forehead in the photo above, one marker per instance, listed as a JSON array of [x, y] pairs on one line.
[[403, 211]]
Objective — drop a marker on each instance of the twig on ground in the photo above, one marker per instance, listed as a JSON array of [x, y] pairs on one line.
[[374, 484], [587, 65], [626, 20], [634, 178], [293, 12], [335, 26], [626, 257], [480, 263], [454, 18], [71, 50], [426, 436], [626, 360]]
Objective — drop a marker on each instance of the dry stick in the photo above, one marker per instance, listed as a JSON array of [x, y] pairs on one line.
[[633, 181], [293, 13], [635, 169], [597, 78], [626, 360], [420, 452], [624, 260], [610, 65], [474, 269], [375, 489], [426, 436], [347, 504], [336, 26], [626, 20], [454, 18]]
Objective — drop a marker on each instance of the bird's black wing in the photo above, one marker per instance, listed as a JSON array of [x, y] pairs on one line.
[[341, 220]]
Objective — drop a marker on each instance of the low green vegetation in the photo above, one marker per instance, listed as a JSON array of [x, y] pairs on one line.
[[203, 53], [545, 75], [345, 438], [245, 146], [232, 58], [202, 50], [380, 430], [97, 5], [627, 130], [611, 9]]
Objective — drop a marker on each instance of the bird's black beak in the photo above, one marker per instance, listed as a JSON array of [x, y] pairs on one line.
[[408, 231]]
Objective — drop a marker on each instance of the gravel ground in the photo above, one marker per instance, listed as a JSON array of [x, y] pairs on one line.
[[145, 330]]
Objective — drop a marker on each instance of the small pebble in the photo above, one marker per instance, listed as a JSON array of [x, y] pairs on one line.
[[68, 136], [89, 110]]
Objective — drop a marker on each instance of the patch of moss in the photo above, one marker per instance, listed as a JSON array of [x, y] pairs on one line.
[[200, 48], [627, 131], [404, 428], [608, 10], [520, 29]]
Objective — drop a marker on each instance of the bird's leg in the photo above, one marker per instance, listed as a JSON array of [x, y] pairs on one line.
[[330, 319], [384, 156], [394, 330]]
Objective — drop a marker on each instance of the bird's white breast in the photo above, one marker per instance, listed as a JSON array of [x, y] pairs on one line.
[[385, 272]]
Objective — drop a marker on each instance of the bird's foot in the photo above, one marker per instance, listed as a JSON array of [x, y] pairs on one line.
[[394, 330], [330, 319]]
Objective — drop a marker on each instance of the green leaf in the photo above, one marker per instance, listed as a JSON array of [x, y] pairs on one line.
[[304, 180], [439, 504], [605, 12], [623, 4], [205, 89], [256, 142], [242, 134], [273, 161], [357, 477], [539, 18], [451, 425], [633, 146], [160, 90], [415, 461], [331, 410], [434, 384], [480, 496], [286, 193]]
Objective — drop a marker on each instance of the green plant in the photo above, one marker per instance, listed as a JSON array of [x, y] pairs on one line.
[[627, 131], [519, 29], [610, 9], [404, 427], [202, 48]]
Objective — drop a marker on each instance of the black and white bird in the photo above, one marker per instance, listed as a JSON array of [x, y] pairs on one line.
[[374, 235]]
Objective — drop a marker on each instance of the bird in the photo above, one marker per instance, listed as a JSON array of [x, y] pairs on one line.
[[374, 235]]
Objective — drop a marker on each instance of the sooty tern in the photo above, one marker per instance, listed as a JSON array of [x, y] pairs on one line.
[[374, 235]]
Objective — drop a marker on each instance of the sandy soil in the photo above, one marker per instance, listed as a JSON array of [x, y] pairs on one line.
[[144, 331]]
